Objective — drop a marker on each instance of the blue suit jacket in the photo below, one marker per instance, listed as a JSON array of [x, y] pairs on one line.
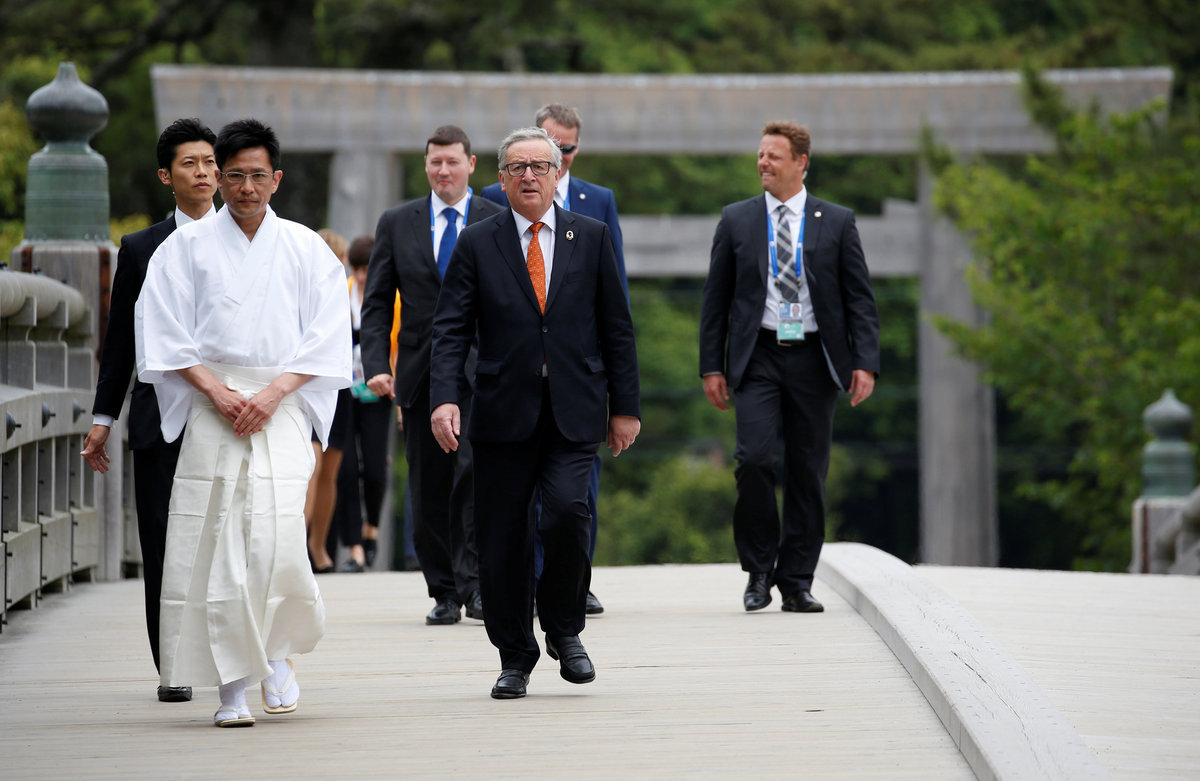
[[585, 337], [590, 200]]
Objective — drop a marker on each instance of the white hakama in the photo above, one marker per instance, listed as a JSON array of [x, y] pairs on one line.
[[237, 586]]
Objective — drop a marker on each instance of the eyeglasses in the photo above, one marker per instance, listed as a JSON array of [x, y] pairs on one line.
[[236, 178], [567, 149], [517, 170]]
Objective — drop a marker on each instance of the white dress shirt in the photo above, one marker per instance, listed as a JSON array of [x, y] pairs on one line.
[[770, 320], [560, 190], [438, 206], [545, 240]]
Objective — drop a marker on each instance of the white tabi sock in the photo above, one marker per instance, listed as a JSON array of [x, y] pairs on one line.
[[280, 688], [233, 695]]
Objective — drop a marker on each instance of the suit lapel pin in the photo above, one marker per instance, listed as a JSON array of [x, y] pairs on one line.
[[570, 235], [816, 214], [583, 196]]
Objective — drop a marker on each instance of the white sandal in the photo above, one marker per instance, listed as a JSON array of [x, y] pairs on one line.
[[273, 698], [233, 716]]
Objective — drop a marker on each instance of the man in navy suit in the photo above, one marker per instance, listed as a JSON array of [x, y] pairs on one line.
[[788, 320], [413, 245], [564, 123], [187, 165], [556, 375]]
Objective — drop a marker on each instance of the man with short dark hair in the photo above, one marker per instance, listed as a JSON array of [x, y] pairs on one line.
[[556, 375], [788, 320], [413, 244], [243, 326], [564, 124], [185, 164]]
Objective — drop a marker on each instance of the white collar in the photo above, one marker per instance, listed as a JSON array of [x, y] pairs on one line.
[[561, 188], [437, 205], [183, 219], [795, 204], [523, 223]]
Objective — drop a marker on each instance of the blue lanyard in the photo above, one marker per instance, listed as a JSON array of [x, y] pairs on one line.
[[799, 252], [433, 217], [566, 204]]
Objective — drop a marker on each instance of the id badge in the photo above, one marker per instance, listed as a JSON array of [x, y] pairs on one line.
[[791, 323]]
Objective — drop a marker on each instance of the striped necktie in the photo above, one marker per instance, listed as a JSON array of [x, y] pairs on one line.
[[786, 280]]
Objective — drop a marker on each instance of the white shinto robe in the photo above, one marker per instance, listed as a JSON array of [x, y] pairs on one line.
[[237, 586]]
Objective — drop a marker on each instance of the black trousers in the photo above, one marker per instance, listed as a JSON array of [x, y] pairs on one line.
[[507, 474], [153, 475], [362, 477], [442, 503], [785, 389]]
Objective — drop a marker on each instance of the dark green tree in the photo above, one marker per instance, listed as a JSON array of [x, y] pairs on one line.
[[1086, 263]]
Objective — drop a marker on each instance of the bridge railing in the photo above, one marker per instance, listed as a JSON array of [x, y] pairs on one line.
[[1166, 517], [49, 504], [1175, 548]]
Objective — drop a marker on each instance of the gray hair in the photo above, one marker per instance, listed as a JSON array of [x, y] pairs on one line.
[[567, 116], [529, 134]]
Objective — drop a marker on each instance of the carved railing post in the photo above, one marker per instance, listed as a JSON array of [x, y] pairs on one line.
[[1168, 477]]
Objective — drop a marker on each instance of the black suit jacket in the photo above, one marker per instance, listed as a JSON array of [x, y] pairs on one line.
[[585, 336], [838, 281], [403, 259], [590, 200], [118, 355]]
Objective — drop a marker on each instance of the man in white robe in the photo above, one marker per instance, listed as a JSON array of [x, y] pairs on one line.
[[243, 326]]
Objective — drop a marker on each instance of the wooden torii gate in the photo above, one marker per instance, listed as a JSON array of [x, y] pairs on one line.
[[367, 118]]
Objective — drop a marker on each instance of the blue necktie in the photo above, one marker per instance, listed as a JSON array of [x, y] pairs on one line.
[[448, 238]]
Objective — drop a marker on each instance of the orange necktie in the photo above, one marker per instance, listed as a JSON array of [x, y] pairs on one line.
[[537, 267]]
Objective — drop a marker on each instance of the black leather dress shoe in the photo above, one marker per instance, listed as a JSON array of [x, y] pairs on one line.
[[446, 611], [510, 685], [593, 607], [802, 603], [573, 662], [475, 606], [758, 591], [369, 549], [174, 693]]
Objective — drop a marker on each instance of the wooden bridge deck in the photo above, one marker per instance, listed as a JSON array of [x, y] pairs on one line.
[[688, 686], [1118, 655]]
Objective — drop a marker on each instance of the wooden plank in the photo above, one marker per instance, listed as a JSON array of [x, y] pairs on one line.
[[681, 246], [688, 685], [973, 112]]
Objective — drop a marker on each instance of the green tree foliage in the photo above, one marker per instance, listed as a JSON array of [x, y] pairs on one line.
[[682, 516], [115, 43], [1087, 264], [873, 479]]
